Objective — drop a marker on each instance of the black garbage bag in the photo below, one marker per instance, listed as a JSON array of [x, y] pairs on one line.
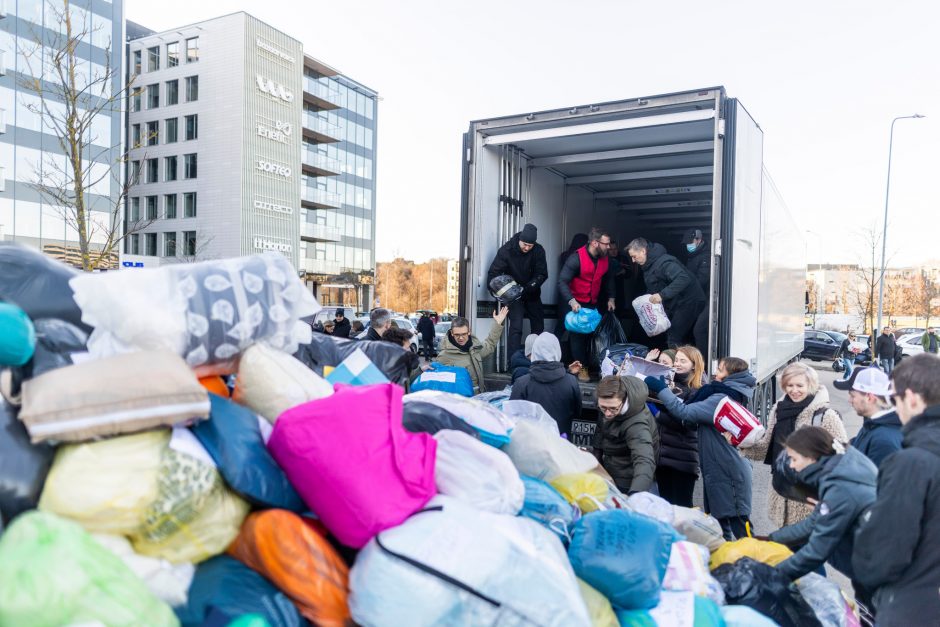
[[421, 417], [326, 350], [23, 466], [56, 340], [767, 590], [608, 333], [619, 351], [505, 289], [785, 482], [38, 284]]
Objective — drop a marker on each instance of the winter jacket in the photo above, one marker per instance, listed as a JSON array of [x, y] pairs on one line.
[[846, 486], [925, 340], [678, 442], [519, 365], [426, 329], [472, 360], [781, 511], [885, 346], [845, 350], [879, 437], [897, 548], [528, 269], [372, 335], [666, 276], [550, 385], [699, 266], [627, 444], [726, 476], [342, 328], [572, 269]]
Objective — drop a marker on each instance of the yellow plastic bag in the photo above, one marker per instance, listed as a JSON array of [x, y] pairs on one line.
[[599, 608], [106, 486], [767, 552], [586, 490]]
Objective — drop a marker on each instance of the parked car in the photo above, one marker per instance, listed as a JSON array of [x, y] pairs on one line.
[[329, 313], [820, 345], [440, 335], [899, 332], [401, 323], [910, 343]]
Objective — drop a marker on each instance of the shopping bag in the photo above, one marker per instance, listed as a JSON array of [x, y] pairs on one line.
[[583, 321], [733, 418], [441, 378], [652, 316]]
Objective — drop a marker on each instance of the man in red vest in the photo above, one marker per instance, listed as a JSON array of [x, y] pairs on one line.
[[580, 283]]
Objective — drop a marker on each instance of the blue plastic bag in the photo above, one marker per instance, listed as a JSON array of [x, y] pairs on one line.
[[623, 555], [545, 505], [585, 321], [441, 378], [233, 439], [17, 336]]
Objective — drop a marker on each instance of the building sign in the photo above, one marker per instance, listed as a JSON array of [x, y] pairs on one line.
[[279, 132], [274, 168], [132, 264], [263, 205], [274, 89], [261, 243], [280, 54]]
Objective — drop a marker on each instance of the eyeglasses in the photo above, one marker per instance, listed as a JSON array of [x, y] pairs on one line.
[[460, 336], [611, 411], [600, 243]]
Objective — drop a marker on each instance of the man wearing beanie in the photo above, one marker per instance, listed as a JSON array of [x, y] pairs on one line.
[[523, 259]]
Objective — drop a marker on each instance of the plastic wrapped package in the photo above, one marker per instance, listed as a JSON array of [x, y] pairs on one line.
[[586, 490], [497, 399], [207, 312], [544, 504], [688, 572], [420, 417], [761, 550], [623, 555], [290, 553], [492, 425], [505, 289], [477, 474], [38, 284], [233, 438], [53, 573], [538, 453], [743, 616], [17, 336], [532, 412], [168, 582], [441, 378], [825, 597], [584, 321], [325, 350], [23, 466], [453, 565], [653, 506], [652, 316], [698, 527], [106, 486], [599, 608], [767, 590], [270, 382]]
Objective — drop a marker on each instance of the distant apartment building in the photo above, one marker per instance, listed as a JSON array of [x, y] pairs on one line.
[[453, 285]]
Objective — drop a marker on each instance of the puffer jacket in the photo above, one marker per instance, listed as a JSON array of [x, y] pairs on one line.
[[699, 264], [879, 437], [846, 487], [627, 445], [550, 385], [678, 442], [666, 276], [472, 360], [783, 512], [519, 365], [528, 269]]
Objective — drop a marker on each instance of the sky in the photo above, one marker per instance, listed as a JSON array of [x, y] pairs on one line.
[[823, 80]]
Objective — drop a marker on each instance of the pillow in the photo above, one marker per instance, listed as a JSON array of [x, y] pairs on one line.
[[270, 382]]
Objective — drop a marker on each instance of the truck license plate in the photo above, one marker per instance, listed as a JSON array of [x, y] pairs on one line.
[[582, 433]]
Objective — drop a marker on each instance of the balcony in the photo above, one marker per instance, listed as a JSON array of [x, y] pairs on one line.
[[312, 198], [321, 266], [316, 164], [319, 95], [318, 130], [319, 233]]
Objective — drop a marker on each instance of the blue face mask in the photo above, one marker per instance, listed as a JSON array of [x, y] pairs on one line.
[[691, 247]]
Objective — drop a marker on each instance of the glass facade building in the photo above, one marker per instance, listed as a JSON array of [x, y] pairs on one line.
[[28, 143]]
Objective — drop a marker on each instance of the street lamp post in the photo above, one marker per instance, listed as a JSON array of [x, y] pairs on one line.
[[884, 234]]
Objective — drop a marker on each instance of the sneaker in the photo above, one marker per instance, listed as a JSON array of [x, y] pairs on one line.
[[584, 377]]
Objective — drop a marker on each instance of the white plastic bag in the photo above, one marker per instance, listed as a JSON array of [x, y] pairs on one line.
[[492, 424], [651, 505], [477, 474], [168, 582], [534, 413], [653, 318], [270, 382], [825, 597], [698, 527], [537, 453], [406, 575], [688, 572]]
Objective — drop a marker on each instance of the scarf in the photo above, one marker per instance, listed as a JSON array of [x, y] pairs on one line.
[[463, 349], [682, 385], [717, 387], [787, 413]]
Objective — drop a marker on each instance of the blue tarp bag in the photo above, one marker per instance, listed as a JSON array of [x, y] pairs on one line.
[[545, 505], [623, 555], [441, 378], [17, 336], [585, 321], [233, 439]]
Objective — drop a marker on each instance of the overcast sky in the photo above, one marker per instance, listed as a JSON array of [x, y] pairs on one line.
[[823, 79]]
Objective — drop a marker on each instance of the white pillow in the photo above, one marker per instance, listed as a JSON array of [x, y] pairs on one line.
[[270, 382]]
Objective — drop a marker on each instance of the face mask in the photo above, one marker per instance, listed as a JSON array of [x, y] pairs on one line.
[[691, 247]]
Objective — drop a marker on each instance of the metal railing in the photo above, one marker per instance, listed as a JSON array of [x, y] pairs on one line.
[[320, 196], [321, 91], [320, 232]]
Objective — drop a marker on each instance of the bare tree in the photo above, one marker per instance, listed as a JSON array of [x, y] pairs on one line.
[[926, 296], [865, 291], [73, 97]]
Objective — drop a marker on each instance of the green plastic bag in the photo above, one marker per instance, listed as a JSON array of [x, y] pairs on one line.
[[52, 573]]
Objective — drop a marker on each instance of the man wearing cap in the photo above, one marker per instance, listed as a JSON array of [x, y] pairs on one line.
[[523, 259], [869, 393], [342, 326]]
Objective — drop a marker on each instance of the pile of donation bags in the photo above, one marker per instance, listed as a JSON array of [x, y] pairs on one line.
[[143, 485]]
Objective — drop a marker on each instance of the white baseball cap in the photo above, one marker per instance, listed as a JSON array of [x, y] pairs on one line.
[[867, 381]]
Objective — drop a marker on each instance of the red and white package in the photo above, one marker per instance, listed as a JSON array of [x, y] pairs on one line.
[[734, 418]]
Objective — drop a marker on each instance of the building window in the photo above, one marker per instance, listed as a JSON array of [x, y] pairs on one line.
[[135, 209], [189, 205], [135, 135], [153, 168], [173, 54], [153, 96], [189, 243], [137, 64], [135, 172], [172, 92], [169, 206], [189, 166], [153, 59], [135, 244], [136, 98], [153, 133], [151, 207], [192, 126], [171, 131], [192, 50], [169, 244], [192, 88], [150, 244], [169, 168]]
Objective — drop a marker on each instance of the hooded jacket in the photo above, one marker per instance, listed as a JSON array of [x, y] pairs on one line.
[[846, 487], [699, 266], [897, 548], [471, 359], [726, 476], [628, 444], [666, 276], [528, 269], [879, 437], [519, 365], [549, 384]]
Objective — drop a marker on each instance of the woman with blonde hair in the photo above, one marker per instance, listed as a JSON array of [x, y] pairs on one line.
[[806, 404], [677, 469]]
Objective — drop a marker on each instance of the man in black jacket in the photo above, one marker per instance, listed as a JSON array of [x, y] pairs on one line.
[[380, 321], [880, 435], [426, 329], [523, 259], [885, 347], [670, 283], [897, 548], [699, 265], [342, 326]]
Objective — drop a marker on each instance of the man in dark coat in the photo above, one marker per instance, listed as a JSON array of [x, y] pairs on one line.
[[670, 283], [380, 321], [626, 441], [426, 329], [699, 265], [880, 435], [885, 347], [897, 548], [523, 259], [549, 384], [342, 326]]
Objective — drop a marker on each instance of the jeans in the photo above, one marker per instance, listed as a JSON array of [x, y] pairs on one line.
[[735, 527], [530, 307], [848, 363], [887, 364]]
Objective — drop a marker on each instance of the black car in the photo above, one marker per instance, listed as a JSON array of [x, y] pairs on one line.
[[821, 345]]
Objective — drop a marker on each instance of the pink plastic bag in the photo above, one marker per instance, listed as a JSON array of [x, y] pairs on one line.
[[734, 418], [353, 463]]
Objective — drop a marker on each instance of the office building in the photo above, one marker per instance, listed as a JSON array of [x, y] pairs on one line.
[[453, 285], [28, 146], [241, 143]]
